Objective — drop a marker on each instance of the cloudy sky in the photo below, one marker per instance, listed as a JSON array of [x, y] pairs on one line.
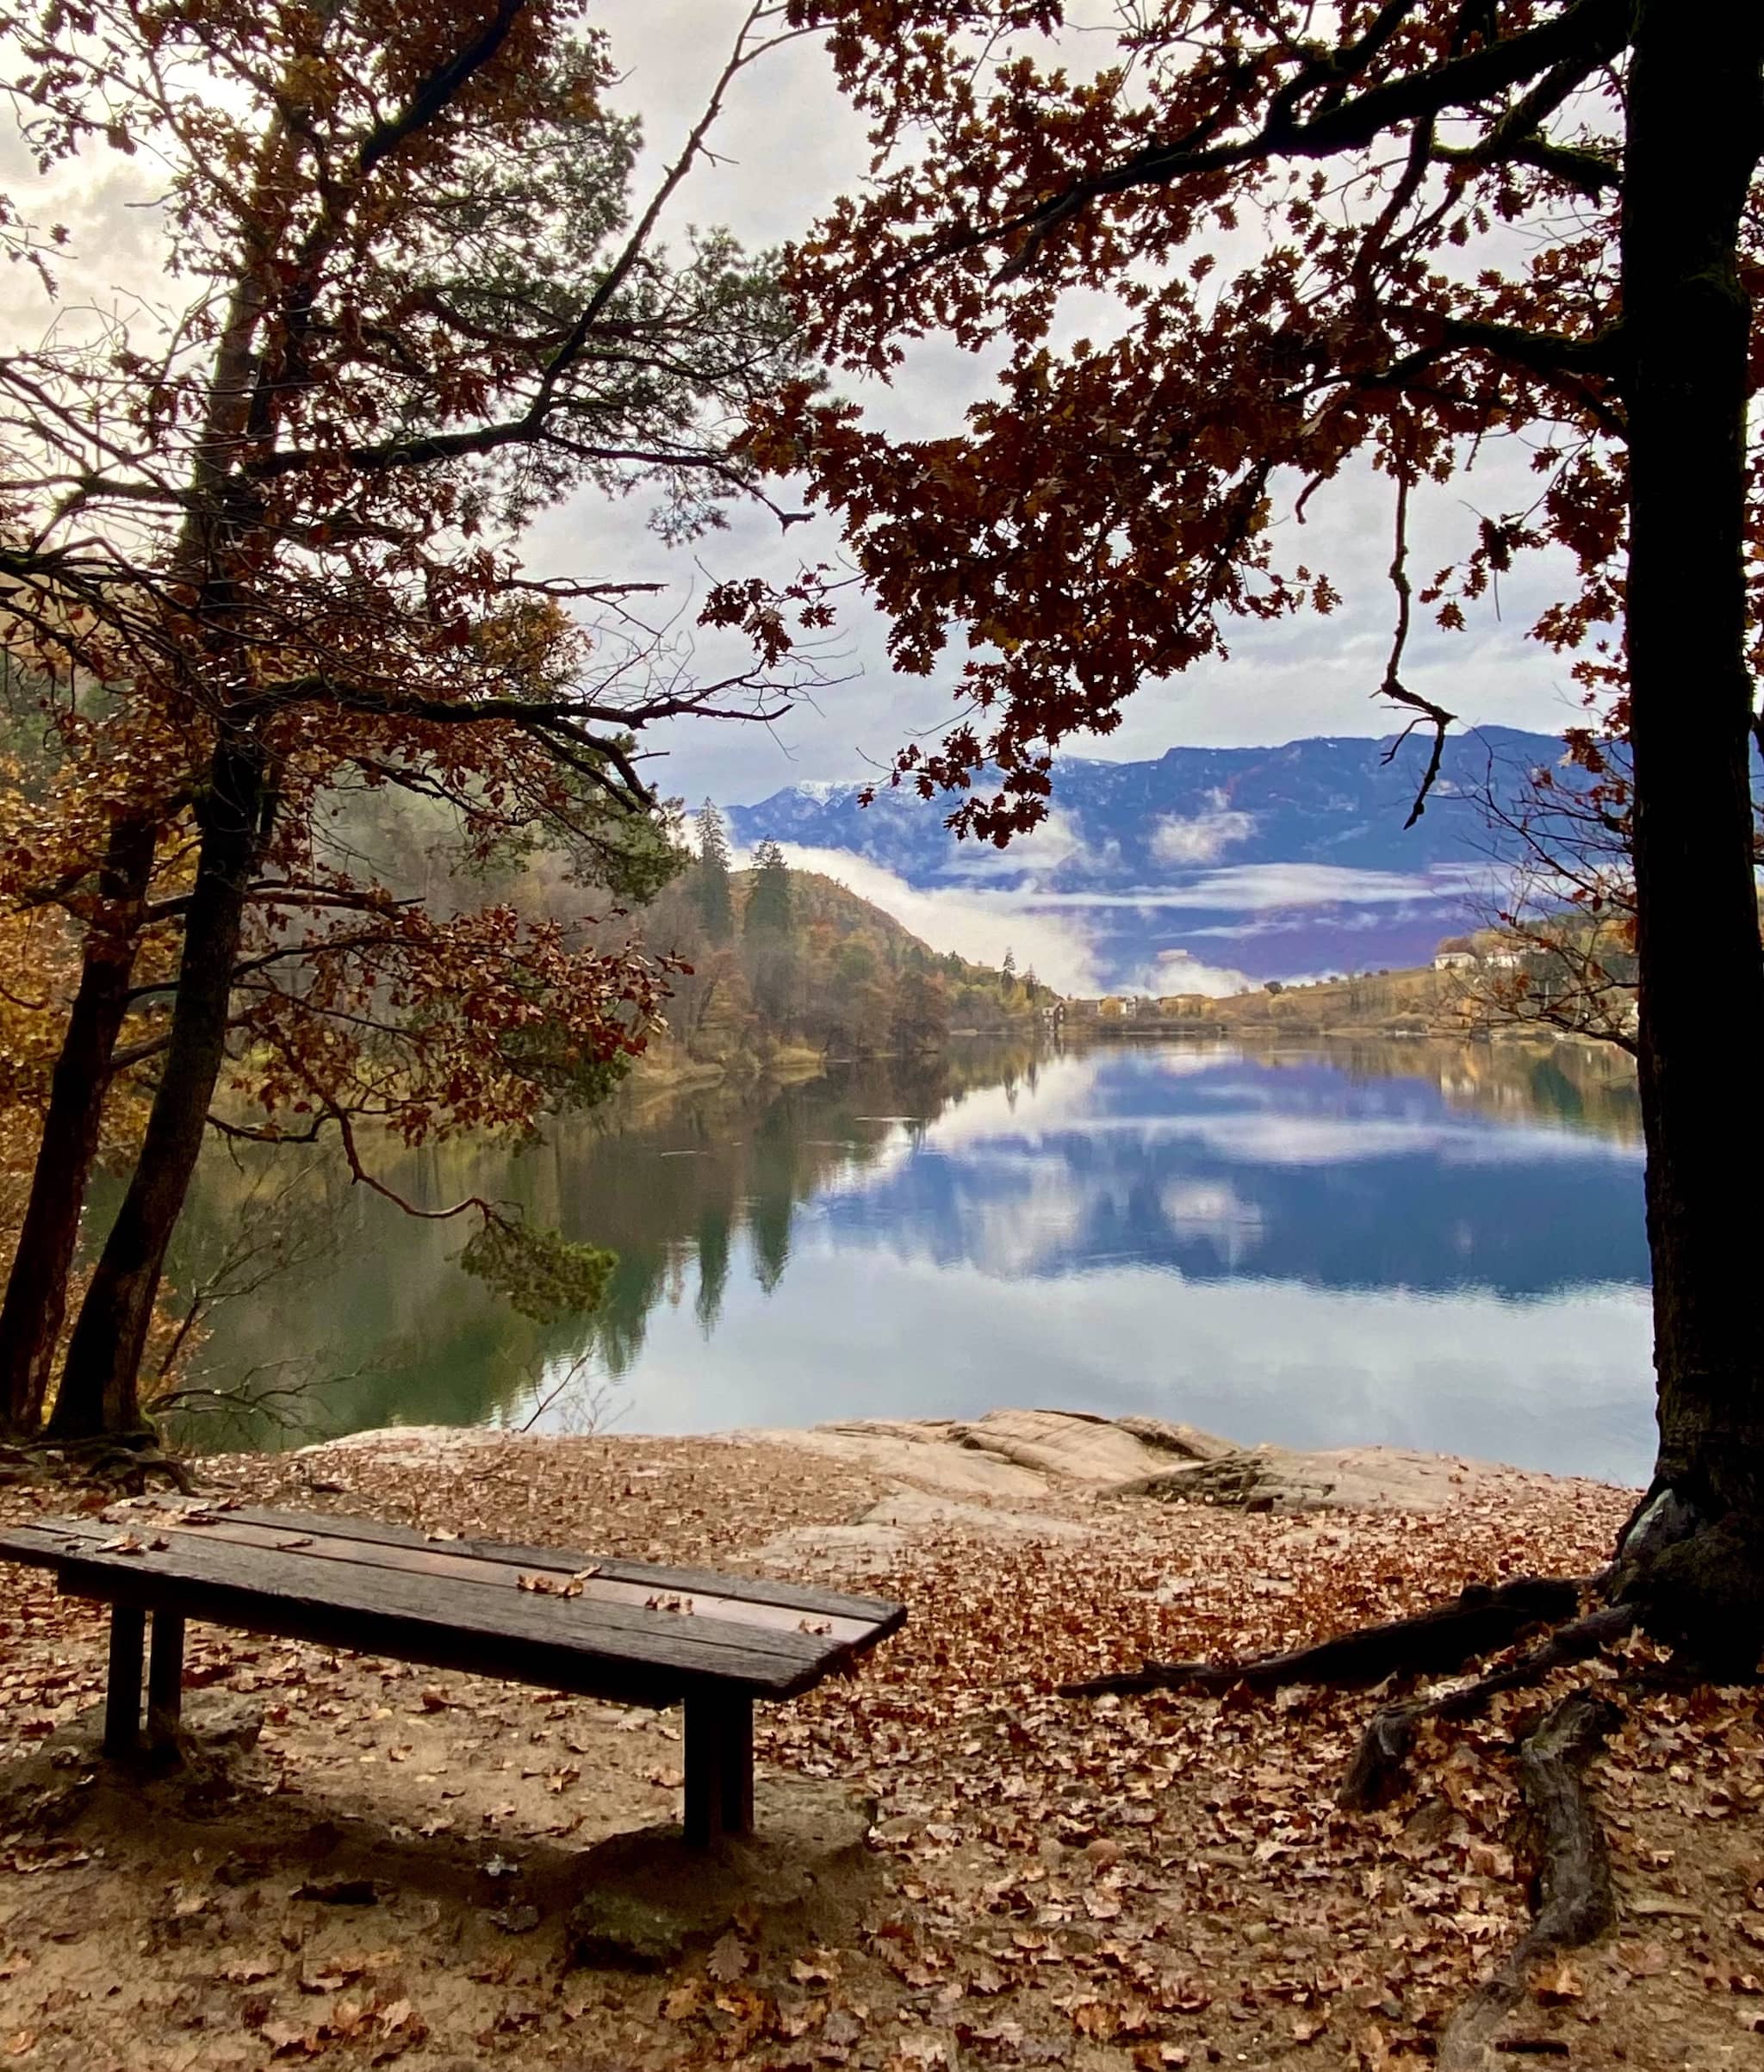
[[787, 147]]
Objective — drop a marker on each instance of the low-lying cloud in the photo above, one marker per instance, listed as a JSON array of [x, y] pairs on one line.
[[1258, 888], [1201, 839], [1173, 971], [977, 924]]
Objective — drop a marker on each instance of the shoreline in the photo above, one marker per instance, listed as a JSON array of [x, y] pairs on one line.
[[1012, 1456]]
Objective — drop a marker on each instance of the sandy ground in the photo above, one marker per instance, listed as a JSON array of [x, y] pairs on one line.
[[1014, 1878]]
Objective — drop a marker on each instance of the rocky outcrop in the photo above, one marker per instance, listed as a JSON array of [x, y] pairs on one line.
[[1008, 1453], [1275, 1479]]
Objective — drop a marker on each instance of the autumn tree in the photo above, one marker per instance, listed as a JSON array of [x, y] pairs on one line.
[[1395, 236], [273, 549], [1562, 925], [921, 1018]]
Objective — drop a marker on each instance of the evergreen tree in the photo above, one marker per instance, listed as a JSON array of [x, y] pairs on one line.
[[711, 878], [768, 903], [771, 946]]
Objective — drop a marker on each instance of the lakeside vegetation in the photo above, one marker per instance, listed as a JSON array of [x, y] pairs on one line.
[[784, 968]]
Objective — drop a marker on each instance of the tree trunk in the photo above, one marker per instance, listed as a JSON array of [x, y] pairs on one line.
[[1695, 1552], [99, 1391], [36, 1289]]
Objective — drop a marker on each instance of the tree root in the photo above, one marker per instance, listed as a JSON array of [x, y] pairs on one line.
[[1379, 1767], [1574, 1900], [127, 1462], [1481, 1620]]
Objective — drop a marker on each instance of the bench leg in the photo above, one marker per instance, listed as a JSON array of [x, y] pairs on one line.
[[165, 1680], [123, 1687], [719, 1766]]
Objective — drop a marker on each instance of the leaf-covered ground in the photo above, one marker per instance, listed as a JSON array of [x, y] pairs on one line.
[[1125, 1882]]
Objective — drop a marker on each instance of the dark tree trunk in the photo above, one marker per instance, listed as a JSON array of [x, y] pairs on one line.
[[36, 1289], [99, 1391], [1695, 1553]]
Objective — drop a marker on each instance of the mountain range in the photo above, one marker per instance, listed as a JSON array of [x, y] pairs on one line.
[[1200, 870]]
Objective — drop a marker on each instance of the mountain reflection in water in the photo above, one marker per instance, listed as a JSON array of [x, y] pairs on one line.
[[1426, 1245]]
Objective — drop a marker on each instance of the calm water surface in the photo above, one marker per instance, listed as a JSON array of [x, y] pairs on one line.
[[1428, 1246]]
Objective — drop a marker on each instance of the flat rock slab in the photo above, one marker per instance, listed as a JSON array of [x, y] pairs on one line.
[[1351, 1478], [923, 1455], [411, 1445], [858, 1549], [885, 1530], [805, 1871], [912, 1511], [1008, 1453]]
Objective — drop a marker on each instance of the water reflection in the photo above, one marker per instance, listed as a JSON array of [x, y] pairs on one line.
[[1433, 1246]]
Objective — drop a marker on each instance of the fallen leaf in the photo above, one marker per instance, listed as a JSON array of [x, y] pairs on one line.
[[728, 1959], [1557, 1981]]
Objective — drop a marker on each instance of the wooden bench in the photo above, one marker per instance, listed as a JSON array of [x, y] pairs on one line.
[[591, 1626]]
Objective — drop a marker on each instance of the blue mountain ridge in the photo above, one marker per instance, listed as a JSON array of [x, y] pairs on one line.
[[1274, 862]]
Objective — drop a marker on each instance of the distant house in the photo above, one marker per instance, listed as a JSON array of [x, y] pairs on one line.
[[1503, 959], [1111, 1006], [1455, 953]]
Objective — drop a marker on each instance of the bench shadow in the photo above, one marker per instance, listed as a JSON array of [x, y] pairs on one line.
[[218, 1820]]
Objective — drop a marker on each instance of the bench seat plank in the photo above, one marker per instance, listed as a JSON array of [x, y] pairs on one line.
[[505, 1567], [804, 1599], [567, 1643]]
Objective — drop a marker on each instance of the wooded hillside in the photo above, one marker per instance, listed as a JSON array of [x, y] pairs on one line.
[[780, 956]]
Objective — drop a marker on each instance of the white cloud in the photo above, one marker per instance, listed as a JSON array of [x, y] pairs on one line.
[[1059, 841], [1201, 840], [1177, 972], [1266, 887], [978, 925]]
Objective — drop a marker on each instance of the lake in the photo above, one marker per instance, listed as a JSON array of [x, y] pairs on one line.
[[1427, 1245]]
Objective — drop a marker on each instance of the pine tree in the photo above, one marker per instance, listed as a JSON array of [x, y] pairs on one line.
[[768, 903], [711, 878], [771, 946]]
